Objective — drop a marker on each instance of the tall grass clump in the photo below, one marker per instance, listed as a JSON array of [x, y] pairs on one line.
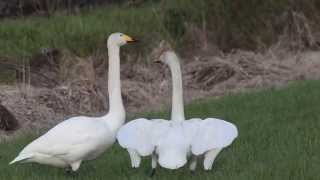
[[245, 24]]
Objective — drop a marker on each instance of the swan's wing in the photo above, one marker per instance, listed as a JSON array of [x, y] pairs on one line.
[[135, 135], [65, 136], [213, 133], [139, 135]]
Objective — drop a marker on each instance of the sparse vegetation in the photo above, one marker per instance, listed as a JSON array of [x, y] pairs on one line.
[[279, 139], [239, 24]]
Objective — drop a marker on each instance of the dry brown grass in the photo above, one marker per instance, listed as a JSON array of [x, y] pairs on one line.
[[81, 88]]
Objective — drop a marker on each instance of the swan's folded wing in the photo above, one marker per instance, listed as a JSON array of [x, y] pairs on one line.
[[213, 133], [140, 134], [64, 137]]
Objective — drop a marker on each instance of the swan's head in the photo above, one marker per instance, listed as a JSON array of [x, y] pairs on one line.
[[167, 57], [120, 39], [163, 53]]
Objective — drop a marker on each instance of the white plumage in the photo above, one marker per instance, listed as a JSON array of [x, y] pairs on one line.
[[207, 138], [140, 137], [83, 138], [172, 147], [133, 136], [213, 133], [69, 143]]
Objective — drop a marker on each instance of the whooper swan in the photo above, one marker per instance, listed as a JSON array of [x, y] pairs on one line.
[[170, 143], [205, 137], [83, 138]]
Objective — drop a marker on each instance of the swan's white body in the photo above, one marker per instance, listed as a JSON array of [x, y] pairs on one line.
[[83, 138]]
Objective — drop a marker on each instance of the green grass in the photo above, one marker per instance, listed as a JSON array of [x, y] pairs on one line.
[[245, 24], [279, 139], [82, 34]]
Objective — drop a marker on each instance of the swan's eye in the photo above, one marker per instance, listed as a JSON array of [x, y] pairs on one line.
[[120, 35]]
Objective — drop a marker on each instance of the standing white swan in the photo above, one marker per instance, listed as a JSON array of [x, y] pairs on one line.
[[205, 137], [83, 138]]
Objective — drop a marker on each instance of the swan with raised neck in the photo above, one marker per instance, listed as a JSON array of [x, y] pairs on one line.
[[116, 107], [83, 138]]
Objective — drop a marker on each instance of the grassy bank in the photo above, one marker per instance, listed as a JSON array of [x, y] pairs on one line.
[[228, 24], [279, 139], [82, 34]]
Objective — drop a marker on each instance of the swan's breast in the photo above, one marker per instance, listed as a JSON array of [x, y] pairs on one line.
[[100, 144], [49, 160]]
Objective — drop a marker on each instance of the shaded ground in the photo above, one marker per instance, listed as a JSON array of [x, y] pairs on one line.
[[76, 86]]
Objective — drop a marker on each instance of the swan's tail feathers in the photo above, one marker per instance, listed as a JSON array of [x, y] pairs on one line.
[[21, 158]]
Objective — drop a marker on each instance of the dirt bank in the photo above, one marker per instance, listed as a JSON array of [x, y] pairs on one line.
[[80, 84]]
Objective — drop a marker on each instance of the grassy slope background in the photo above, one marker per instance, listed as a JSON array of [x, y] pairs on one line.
[[228, 24], [81, 34], [279, 139]]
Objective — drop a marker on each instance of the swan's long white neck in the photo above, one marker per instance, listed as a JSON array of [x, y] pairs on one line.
[[177, 109], [116, 108]]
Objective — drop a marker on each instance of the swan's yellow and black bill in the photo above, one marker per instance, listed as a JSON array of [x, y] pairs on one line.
[[128, 39]]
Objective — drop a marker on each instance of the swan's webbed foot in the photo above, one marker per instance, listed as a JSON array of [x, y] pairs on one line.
[[153, 172]]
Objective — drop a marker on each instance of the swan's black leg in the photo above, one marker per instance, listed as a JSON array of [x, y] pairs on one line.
[[193, 172], [193, 164], [153, 164], [69, 172], [153, 172]]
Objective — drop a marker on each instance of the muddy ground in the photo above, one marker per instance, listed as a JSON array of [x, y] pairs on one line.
[[59, 85]]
